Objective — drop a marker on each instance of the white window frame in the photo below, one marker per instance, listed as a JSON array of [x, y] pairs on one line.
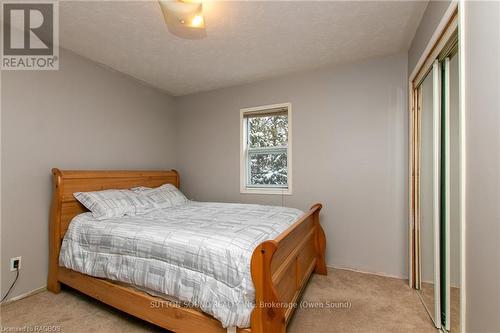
[[263, 189]]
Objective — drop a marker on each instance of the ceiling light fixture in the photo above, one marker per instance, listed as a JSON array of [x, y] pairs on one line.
[[197, 21], [182, 14]]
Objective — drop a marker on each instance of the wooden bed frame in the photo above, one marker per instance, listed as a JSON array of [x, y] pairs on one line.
[[280, 268]]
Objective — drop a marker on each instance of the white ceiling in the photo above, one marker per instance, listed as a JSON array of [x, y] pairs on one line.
[[246, 41]]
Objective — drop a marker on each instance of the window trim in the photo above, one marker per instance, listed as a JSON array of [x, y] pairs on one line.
[[261, 189]]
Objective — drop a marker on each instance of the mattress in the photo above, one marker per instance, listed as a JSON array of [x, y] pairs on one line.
[[198, 252]]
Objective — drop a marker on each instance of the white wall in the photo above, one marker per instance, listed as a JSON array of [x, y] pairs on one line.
[[432, 16], [482, 93], [350, 139], [83, 116]]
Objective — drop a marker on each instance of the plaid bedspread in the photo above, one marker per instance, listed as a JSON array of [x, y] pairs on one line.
[[198, 252]]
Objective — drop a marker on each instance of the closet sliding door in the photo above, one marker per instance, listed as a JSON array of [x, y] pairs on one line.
[[445, 194], [436, 183], [428, 125], [451, 230]]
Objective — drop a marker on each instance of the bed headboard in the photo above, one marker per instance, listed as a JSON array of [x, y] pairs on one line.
[[66, 182], [65, 206]]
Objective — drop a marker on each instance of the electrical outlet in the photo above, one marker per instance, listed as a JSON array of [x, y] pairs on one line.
[[15, 264]]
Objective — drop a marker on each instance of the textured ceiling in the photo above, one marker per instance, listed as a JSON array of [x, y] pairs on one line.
[[245, 42]]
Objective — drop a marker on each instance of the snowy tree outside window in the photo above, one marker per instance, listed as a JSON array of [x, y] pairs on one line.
[[266, 154]]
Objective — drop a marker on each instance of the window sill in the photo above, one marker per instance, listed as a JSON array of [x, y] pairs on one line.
[[274, 191]]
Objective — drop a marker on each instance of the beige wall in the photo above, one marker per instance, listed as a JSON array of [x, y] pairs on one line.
[[482, 93], [349, 152], [83, 116]]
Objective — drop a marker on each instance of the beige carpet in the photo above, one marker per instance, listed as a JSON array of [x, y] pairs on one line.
[[358, 303]]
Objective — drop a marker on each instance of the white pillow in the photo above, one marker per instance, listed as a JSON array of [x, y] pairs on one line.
[[108, 204], [140, 189], [165, 196]]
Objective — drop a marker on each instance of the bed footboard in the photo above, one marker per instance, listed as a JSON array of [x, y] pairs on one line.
[[280, 270]]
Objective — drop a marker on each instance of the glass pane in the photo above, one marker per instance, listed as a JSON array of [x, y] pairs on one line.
[[268, 169], [270, 131]]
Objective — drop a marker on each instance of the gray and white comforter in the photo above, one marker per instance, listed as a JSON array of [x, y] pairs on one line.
[[198, 253]]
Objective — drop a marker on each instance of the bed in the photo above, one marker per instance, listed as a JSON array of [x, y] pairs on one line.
[[292, 249]]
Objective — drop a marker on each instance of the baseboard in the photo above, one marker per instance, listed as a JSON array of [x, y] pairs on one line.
[[29, 293], [366, 272]]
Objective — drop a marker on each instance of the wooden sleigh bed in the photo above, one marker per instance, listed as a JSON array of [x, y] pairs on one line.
[[280, 267]]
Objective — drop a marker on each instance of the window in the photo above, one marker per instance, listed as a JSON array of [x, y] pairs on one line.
[[265, 153]]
